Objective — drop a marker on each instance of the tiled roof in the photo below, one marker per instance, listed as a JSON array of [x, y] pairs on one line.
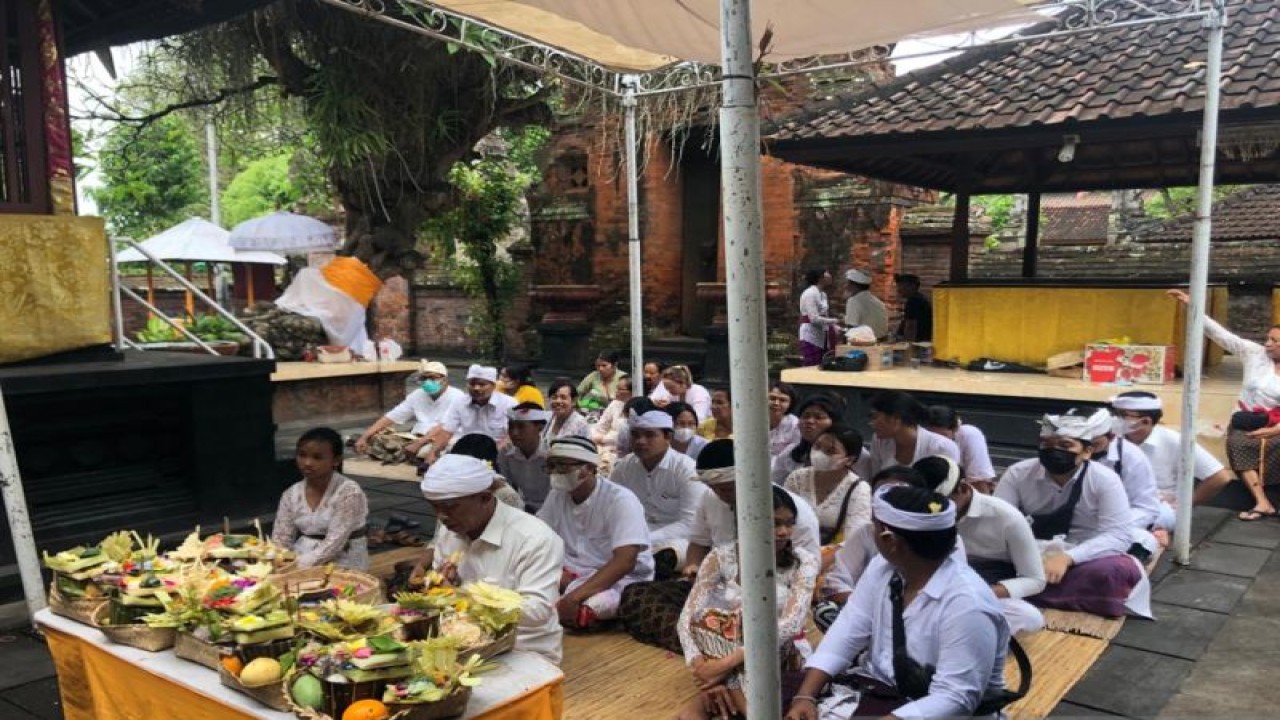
[[1250, 214], [1129, 72], [1075, 224]]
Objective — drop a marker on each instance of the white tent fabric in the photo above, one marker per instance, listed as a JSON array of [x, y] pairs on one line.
[[284, 232], [197, 240], [643, 35]]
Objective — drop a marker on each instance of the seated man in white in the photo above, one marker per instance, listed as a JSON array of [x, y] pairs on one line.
[[426, 406], [606, 541], [664, 480], [1132, 466], [1080, 512], [523, 462], [1139, 414], [486, 540], [484, 413], [997, 540]]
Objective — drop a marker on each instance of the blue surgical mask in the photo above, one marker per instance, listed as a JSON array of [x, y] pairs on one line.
[[431, 387]]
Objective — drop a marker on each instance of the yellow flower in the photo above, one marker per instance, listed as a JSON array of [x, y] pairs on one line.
[[935, 508]]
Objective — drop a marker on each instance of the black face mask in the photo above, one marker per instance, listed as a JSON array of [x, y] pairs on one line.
[[1058, 461]]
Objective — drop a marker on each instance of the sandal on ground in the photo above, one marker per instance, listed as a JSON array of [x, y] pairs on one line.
[[404, 521], [1255, 515], [405, 538], [376, 536]]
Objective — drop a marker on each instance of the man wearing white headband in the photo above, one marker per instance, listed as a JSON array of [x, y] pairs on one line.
[[1081, 507], [664, 480], [481, 539], [523, 462], [485, 414], [997, 539], [1138, 414], [1111, 450], [916, 569], [426, 406], [605, 537]]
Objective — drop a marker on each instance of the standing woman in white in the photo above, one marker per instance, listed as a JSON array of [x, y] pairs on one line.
[[816, 323]]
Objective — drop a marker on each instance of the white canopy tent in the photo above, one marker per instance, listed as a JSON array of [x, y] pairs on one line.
[[630, 48], [197, 240]]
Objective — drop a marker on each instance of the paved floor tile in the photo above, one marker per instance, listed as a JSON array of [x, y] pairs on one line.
[[1177, 631], [1223, 686], [1205, 520], [39, 699], [1262, 599], [1201, 590], [1261, 534], [1247, 639], [23, 659], [1229, 559], [1130, 682]]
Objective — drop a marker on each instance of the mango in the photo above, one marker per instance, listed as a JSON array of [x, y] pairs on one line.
[[260, 671], [307, 692]]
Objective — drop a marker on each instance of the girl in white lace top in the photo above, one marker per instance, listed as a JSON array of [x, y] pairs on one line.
[[323, 517], [710, 625]]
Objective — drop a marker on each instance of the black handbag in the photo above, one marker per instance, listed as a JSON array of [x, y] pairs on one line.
[[1249, 420], [855, 361]]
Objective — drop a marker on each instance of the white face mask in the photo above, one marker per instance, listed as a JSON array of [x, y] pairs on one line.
[[1122, 426], [823, 462], [566, 481], [682, 435]]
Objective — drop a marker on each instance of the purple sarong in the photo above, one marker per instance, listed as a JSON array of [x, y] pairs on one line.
[[1099, 587], [810, 354]]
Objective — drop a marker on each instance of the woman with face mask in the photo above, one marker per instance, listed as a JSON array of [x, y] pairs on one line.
[[841, 499], [817, 413], [684, 436], [1080, 512]]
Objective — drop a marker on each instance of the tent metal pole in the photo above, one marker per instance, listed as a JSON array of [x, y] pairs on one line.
[[15, 506], [1215, 22], [629, 85], [748, 361]]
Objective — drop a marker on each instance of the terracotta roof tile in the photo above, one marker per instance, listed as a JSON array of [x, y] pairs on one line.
[[1250, 214], [1111, 74]]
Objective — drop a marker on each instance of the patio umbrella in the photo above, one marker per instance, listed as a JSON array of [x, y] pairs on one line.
[[194, 240], [284, 232]]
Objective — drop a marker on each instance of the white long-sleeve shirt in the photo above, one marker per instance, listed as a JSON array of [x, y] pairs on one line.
[[519, 552], [993, 529], [814, 305], [975, 458], [670, 493], [1139, 481], [867, 309], [884, 451], [954, 624], [1163, 447], [1100, 525], [1261, 386]]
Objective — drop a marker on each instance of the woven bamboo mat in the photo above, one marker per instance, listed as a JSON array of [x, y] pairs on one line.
[[367, 467], [1058, 661], [609, 675]]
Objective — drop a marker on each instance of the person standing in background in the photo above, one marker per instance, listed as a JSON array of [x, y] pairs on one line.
[[816, 323], [863, 308], [917, 313]]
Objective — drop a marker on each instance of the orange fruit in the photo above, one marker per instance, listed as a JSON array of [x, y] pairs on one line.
[[232, 664], [366, 710]]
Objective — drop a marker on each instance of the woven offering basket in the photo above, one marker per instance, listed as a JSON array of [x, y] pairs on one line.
[[453, 705], [141, 636], [271, 695], [337, 697], [201, 652], [504, 643], [368, 587], [420, 628], [273, 649], [79, 609]]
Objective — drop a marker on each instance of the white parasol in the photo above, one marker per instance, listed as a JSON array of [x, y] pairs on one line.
[[284, 232], [197, 240]]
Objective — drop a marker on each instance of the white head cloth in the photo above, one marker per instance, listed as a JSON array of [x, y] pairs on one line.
[[482, 372], [1136, 402], [1079, 427], [948, 486], [858, 276], [574, 448], [455, 476], [652, 420], [433, 367], [943, 518], [528, 415], [717, 476]]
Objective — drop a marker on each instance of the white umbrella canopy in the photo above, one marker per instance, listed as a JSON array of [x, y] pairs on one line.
[[197, 240], [284, 232]]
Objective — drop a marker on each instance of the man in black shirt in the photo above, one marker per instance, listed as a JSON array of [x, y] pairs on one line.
[[917, 313]]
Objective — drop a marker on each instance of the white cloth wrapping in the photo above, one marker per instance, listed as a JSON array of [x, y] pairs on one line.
[[482, 372], [940, 517], [651, 420], [339, 314], [1080, 427], [455, 476]]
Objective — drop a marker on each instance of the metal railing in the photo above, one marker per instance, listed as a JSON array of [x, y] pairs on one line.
[[261, 348]]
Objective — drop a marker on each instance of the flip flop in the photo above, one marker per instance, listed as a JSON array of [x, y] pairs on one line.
[[405, 538], [404, 521], [1255, 515]]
